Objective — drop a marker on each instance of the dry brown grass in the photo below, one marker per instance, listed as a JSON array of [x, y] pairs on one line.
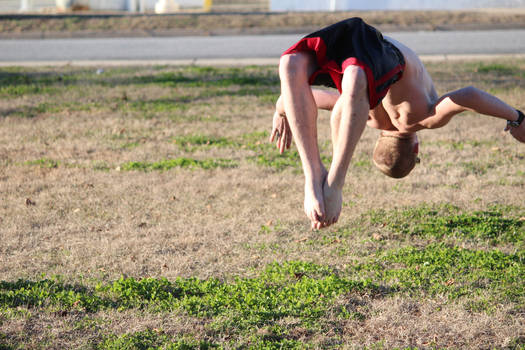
[[249, 23], [87, 217]]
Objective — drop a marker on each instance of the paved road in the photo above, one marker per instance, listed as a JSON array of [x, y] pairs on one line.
[[242, 47]]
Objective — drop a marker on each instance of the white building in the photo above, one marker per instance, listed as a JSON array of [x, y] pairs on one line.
[[274, 5], [341, 5], [108, 5]]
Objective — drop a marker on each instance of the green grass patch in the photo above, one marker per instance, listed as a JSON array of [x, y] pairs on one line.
[[152, 339], [24, 90], [439, 269], [272, 159], [182, 162], [189, 142], [27, 78], [156, 339], [50, 292], [267, 154], [211, 77], [293, 289], [151, 108], [497, 68], [494, 225], [52, 164], [463, 144], [300, 290], [21, 82], [43, 163], [54, 108]]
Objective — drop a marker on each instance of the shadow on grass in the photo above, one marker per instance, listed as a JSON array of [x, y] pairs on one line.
[[188, 76], [7, 346], [210, 82], [49, 292], [494, 225]]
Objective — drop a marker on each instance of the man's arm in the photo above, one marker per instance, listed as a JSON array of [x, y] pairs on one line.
[[324, 99], [475, 100]]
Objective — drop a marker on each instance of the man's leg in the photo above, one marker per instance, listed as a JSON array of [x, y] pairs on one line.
[[348, 121], [301, 112]]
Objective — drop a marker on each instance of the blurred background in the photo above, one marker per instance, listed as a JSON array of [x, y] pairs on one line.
[[171, 6]]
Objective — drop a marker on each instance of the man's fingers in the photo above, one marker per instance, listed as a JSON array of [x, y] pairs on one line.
[[284, 141], [276, 134], [272, 136]]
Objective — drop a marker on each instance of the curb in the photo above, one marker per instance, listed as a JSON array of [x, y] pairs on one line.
[[229, 61]]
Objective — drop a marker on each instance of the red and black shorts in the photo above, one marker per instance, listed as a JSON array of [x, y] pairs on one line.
[[353, 42]]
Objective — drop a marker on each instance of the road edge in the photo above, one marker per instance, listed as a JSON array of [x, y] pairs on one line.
[[229, 61]]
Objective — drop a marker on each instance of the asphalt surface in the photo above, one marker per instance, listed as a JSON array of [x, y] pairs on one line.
[[247, 48]]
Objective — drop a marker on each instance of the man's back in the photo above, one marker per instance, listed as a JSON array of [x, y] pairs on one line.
[[410, 100]]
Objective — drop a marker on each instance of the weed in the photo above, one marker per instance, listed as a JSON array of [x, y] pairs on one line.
[[44, 163], [152, 339], [498, 68], [168, 164], [48, 292], [101, 166], [190, 142]]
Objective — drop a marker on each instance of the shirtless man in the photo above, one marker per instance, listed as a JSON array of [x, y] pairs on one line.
[[381, 83]]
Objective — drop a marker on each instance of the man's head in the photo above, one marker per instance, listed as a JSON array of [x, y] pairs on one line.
[[395, 154]]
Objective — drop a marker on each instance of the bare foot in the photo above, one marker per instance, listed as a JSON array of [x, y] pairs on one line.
[[333, 202], [314, 207]]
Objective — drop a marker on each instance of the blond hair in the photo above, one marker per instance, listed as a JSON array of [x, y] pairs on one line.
[[395, 155]]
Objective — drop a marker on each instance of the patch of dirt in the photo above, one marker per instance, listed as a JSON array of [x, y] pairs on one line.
[[88, 24]]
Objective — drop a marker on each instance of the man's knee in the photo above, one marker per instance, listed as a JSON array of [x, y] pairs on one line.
[[354, 82], [296, 65]]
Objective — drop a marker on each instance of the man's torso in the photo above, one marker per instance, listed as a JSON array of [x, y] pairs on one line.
[[409, 101]]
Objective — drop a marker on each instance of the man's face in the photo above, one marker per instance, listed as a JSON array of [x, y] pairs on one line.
[[396, 153], [415, 143]]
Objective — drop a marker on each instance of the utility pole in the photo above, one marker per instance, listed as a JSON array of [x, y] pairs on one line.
[[132, 5], [333, 5], [207, 5], [24, 5]]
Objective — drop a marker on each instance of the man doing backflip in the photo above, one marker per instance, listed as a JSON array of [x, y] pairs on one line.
[[380, 83]]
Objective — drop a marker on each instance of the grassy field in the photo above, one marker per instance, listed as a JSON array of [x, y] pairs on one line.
[[143, 208]]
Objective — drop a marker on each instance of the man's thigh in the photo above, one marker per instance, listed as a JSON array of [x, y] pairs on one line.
[[303, 63], [354, 82]]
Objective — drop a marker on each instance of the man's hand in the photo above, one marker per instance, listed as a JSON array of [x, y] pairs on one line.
[[281, 132], [518, 133]]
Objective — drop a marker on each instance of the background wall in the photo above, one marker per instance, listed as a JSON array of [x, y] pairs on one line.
[[328, 5], [110, 5]]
